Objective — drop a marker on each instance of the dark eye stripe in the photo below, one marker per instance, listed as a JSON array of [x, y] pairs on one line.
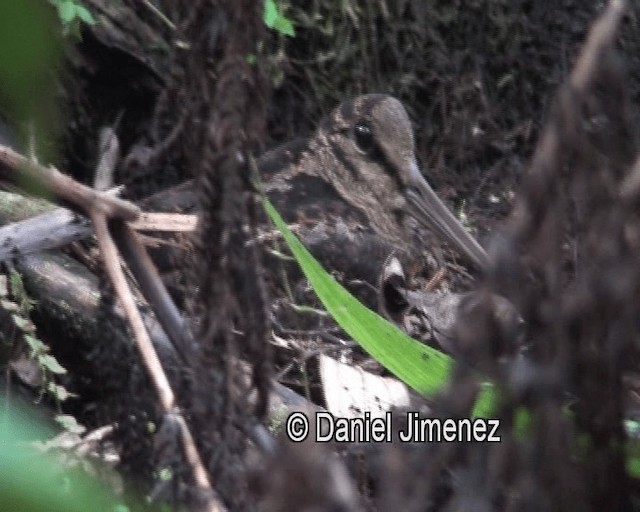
[[378, 155]]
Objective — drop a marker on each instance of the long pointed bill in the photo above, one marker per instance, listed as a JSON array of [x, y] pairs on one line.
[[430, 211]]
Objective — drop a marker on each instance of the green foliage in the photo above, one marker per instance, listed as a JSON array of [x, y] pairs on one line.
[[274, 19], [421, 367], [70, 424], [31, 481], [30, 58], [71, 14], [15, 301], [165, 474], [277, 420]]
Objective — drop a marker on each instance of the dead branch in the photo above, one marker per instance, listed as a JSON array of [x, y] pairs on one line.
[[47, 181], [601, 39], [152, 287], [173, 222], [101, 207], [68, 296], [109, 149], [111, 261], [549, 148], [150, 358], [45, 231], [59, 227]]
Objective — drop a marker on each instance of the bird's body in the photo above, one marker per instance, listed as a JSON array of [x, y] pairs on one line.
[[353, 193], [336, 231]]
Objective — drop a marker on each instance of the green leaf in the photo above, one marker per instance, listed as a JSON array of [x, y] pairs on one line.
[[83, 13], [34, 481], [51, 363], [67, 11], [632, 451], [284, 26], [423, 368], [15, 279], [165, 474], [431, 367], [270, 13], [274, 19], [59, 392], [19, 293], [36, 346], [9, 306], [70, 424], [24, 324]]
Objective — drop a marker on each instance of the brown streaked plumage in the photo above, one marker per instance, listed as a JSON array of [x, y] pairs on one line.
[[353, 189]]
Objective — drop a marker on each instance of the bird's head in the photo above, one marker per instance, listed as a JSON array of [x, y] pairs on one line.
[[372, 138]]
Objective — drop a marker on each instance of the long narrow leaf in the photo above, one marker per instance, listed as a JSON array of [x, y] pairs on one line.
[[421, 367]]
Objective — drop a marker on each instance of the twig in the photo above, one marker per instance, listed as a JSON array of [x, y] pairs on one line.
[[112, 266], [549, 148], [109, 148], [45, 231], [436, 279], [153, 288], [601, 38], [174, 222], [60, 227], [49, 181], [160, 14], [148, 354], [167, 313]]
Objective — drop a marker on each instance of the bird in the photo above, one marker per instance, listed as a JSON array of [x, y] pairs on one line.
[[354, 193]]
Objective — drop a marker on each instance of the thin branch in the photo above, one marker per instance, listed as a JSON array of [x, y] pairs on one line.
[[550, 144], [153, 288], [160, 14], [174, 222], [148, 354], [601, 38], [116, 275], [109, 148], [45, 231], [47, 181]]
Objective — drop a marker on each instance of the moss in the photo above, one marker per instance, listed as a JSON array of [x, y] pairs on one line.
[[14, 207]]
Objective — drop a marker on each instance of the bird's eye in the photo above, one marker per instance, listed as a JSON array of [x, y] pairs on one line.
[[364, 138]]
